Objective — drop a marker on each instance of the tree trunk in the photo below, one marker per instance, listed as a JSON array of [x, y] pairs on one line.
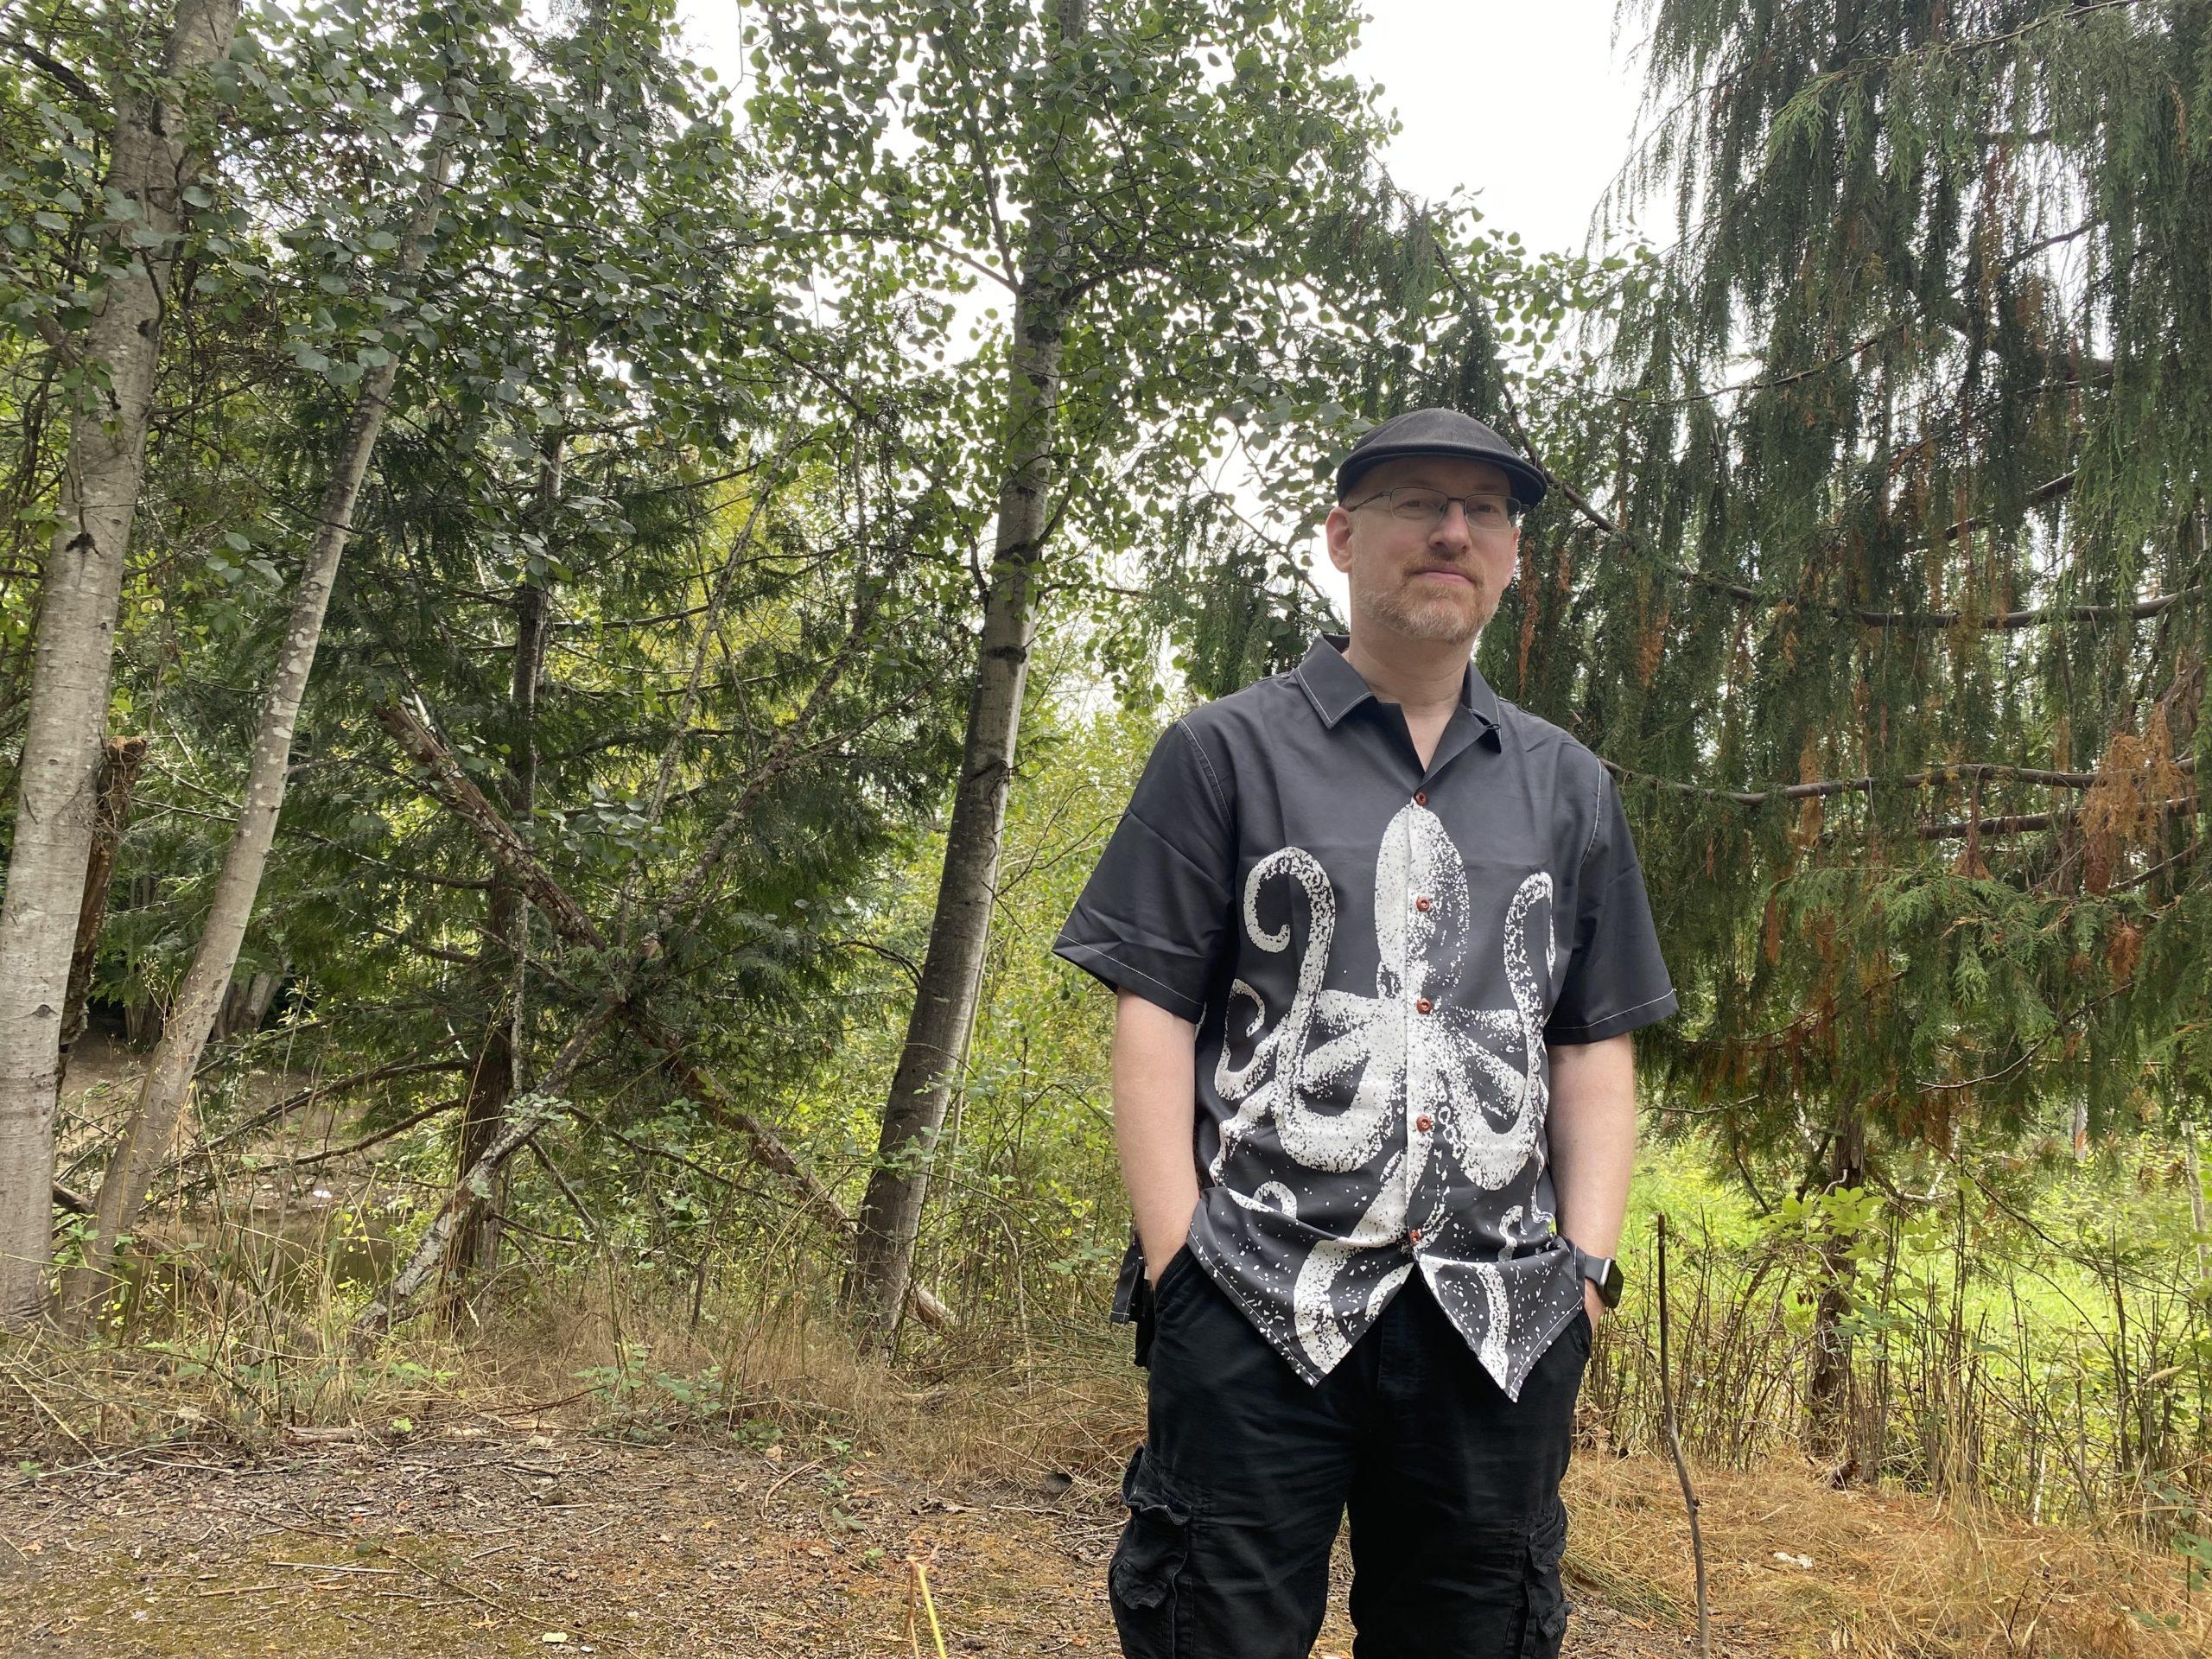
[[1828, 1392], [74, 657], [496, 1078], [169, 1076], [246, 1004], [2197, 1223], [945, 1000], [120, 762]]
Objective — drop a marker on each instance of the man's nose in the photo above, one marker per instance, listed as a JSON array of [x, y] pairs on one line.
[[1452, 529]]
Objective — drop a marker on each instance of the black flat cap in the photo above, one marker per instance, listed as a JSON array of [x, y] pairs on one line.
[[1439, 432]]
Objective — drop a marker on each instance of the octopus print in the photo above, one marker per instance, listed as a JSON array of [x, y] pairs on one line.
[[1340, 1074]]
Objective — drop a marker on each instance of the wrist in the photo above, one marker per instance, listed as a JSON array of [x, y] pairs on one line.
[[1601, 1275]]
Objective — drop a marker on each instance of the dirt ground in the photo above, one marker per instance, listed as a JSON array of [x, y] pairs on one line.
[[489, 1539]]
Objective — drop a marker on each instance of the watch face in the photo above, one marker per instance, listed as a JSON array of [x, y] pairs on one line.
[[1615, 1282]]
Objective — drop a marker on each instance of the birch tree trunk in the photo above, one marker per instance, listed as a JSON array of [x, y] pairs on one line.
[[169, 1076], [74, 657], [945, 999]]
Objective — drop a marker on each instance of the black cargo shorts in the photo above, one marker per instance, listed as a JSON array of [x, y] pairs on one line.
[[1246, 1471]]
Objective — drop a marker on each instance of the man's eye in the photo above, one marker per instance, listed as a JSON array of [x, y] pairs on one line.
[[1418, 503]]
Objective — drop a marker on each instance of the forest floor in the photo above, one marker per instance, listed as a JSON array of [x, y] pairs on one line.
[[151, 1508], [492, 1539], [483, 1535]]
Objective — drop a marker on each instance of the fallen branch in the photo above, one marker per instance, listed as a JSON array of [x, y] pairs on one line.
[[307, 1161], [525, 1117], [1681, 1463]]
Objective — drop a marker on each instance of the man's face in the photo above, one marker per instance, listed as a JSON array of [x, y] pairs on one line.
[[1434, 579]]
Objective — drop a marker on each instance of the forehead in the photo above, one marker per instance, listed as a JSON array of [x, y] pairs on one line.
[[1454, 474]]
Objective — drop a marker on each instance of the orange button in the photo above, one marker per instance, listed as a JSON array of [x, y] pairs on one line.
[[1414, 1234], [1422, 903], [1421, 797], [1422, 1123], [1421, 1006]]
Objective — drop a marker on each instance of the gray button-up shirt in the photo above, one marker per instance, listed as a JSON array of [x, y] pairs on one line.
[[1377, 956]]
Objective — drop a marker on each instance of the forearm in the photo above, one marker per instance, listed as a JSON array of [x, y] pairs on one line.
[[1591, 1129], [1155, 1105]]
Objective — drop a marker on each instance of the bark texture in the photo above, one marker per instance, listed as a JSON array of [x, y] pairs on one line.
[[74, 657], [168, 1083], [945, 1000], [121, 760], [1830, 1396]]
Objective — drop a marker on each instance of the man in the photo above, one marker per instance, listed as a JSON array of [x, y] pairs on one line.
[[1379, 938]]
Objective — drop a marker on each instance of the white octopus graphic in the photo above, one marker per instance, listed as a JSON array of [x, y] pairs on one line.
[[1476, 1073]]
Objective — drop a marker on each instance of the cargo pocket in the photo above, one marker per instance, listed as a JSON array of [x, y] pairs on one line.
[[1142, 1580], [1545, 1627]]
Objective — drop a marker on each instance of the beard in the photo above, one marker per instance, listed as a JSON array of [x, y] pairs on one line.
[[1443, 614]]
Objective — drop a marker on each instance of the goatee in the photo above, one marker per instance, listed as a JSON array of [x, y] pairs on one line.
[[1443, 617]]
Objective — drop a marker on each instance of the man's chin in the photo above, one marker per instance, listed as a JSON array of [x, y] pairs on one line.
[[1441, 621]]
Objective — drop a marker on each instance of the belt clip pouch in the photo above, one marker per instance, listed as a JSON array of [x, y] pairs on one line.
[[1144, 1308]]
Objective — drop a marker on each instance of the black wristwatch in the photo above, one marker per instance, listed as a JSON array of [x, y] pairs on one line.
[[1605, 1272]]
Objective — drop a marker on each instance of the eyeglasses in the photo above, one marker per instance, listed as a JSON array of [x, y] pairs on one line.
[[1416, 504]]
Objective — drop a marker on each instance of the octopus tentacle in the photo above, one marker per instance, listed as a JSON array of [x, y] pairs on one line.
[[1499, 1329], [1313, 1313], [1263, 1084], [1247, 1085], [1492, 1156], [1289, 1040]]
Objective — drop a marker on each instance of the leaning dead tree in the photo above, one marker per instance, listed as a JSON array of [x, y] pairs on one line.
[[526, 1116], [627, 1004]]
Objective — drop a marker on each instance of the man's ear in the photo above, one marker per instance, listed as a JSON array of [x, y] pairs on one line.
[[1337, 529]]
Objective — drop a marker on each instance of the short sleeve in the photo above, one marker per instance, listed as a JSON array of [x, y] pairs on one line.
[[1616, 979], [1155, 914]]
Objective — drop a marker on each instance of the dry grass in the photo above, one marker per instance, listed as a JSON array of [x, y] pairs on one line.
[[1895, 1575], [1891, 1573]]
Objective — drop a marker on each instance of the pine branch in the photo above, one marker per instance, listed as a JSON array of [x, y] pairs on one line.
[[1959, 829], [1955, 772]]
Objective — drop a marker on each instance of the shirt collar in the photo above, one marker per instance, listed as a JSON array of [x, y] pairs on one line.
[[1335, 689]]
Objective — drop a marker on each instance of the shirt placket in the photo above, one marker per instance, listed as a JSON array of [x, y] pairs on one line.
[[1419, 1128]]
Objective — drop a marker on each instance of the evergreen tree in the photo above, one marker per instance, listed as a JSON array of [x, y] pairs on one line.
[[1881, 579]]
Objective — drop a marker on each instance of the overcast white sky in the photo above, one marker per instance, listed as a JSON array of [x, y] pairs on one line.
[[1530, 107]]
